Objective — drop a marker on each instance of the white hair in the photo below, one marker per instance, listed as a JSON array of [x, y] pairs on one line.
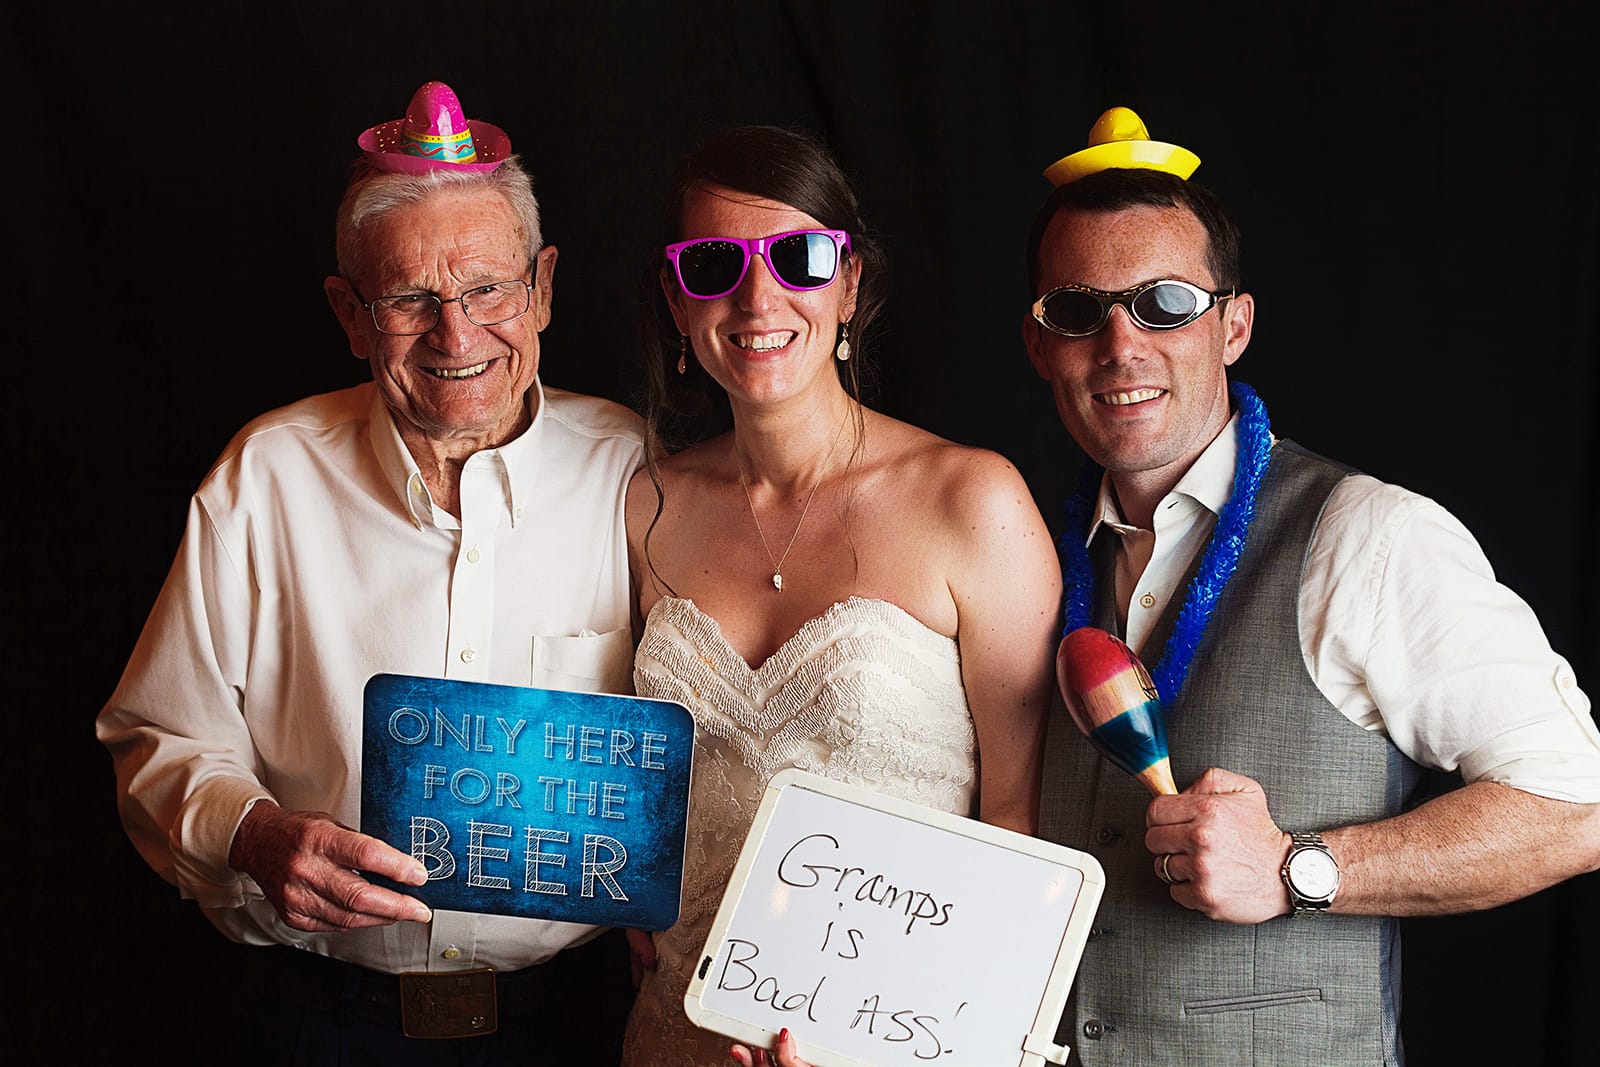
[[373, 193]]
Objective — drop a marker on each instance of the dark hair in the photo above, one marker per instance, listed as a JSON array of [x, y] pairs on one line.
[[1123, 187], [774, 163]]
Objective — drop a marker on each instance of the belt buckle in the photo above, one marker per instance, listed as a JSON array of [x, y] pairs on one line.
[[448, 1003]]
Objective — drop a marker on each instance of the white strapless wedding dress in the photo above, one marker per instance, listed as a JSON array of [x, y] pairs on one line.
[[863, 693]]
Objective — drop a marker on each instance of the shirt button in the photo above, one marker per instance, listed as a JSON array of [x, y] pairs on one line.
[[473, 555], [1093, 1029], [1147, 601], [468, 655], [451, 953], [1106, 835], [517, 514]]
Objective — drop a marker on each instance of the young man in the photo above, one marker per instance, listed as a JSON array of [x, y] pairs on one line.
[[1317, 636]]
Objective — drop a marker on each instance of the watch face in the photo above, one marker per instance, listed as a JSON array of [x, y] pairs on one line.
[[1314, 874]]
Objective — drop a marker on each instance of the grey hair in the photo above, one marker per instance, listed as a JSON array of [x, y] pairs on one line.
[[372, 194]]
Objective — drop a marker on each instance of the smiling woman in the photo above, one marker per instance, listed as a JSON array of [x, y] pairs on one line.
[[822, 586]]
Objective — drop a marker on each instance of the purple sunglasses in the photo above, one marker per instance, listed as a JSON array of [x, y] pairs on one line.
[[800, 260]]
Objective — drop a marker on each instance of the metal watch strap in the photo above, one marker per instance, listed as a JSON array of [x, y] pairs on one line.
[[1305, 906]]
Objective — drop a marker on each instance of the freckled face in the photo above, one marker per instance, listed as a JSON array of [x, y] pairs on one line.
[[762, 343], [459, 382], [1137, 400]]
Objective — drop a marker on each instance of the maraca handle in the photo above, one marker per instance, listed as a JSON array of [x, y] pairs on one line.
[[1158, 778]]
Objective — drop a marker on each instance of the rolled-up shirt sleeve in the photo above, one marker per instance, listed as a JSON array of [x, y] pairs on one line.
[[313, 559], [1406, 630], [186, 767]]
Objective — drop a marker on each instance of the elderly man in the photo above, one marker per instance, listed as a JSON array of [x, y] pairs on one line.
[[453, 518], [1316, 636]]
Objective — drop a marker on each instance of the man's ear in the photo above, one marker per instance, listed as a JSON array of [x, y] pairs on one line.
[[544, 292], [348, 309], [1032, 340], [1241, 316]]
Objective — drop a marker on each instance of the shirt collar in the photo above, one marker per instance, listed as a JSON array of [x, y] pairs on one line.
[[517, 460], [1208, 481]]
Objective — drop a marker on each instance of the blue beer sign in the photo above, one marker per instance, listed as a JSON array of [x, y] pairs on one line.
[[534, 802]]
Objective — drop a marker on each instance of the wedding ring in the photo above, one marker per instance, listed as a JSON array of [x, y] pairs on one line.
[[1161, 869]]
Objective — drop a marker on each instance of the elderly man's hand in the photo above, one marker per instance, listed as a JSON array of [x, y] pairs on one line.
[[307, 864], [641, 954], [1219, 846]]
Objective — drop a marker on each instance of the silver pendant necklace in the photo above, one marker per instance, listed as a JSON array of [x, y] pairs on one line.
[[777, 564]]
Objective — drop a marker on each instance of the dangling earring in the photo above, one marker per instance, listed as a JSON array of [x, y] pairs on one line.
[[843, 351], [683, 353]]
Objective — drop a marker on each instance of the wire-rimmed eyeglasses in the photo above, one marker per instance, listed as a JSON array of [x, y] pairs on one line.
[[409, 314]]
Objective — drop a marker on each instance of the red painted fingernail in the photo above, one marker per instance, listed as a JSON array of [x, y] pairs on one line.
[[783, 1035]]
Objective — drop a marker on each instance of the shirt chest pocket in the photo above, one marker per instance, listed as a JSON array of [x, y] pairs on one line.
[[586, 663]]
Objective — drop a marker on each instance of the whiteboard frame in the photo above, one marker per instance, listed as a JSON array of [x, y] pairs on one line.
[[1037, 1048]]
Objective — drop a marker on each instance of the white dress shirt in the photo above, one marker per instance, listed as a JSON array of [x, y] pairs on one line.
[[1402, 625], [315, 558]]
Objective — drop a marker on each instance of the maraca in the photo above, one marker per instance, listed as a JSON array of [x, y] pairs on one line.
[[1112, 699]]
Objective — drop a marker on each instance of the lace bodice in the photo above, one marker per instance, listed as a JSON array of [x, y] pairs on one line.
[[863, 693]]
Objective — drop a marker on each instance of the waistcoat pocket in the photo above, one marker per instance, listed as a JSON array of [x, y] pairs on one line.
[[1251, 1003]]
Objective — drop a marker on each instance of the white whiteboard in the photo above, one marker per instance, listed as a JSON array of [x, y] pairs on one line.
[[882, 933]]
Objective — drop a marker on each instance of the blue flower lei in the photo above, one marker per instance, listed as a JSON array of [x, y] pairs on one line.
[[1217, 564]]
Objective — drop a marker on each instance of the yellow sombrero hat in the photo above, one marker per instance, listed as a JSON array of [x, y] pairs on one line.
[[1119, 139]]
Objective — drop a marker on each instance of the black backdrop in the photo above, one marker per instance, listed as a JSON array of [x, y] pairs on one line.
[[1416, 185]]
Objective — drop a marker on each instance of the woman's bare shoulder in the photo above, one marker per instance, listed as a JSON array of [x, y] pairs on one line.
[[948, 474], [680, 474]]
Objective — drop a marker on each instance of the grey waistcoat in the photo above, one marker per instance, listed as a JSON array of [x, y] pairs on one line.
[[1160, 984]]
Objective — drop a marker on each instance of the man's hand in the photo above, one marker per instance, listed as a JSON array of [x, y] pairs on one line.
[[306, 865], [1222, 850]]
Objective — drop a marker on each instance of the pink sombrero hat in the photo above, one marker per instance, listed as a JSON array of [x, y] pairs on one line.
[[434, 135]]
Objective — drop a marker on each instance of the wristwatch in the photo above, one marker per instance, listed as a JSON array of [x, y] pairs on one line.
[[1310, 873]]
